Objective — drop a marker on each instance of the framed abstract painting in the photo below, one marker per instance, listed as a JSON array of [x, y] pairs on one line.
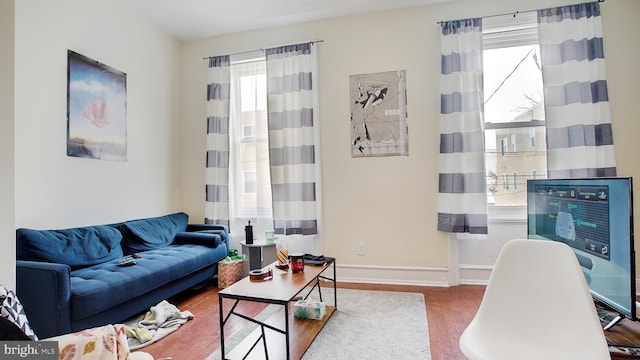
[[96, 109]]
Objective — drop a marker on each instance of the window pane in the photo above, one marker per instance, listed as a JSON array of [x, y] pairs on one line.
[[261, 88], [253, 90], [248, 131], [250, 172], [532, 137], [514, 120], [512, 83], [249, 182]]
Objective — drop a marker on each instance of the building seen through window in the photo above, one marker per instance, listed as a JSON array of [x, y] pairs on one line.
[[515, 146]]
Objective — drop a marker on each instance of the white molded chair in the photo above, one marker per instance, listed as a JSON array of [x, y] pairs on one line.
[[537, 305]]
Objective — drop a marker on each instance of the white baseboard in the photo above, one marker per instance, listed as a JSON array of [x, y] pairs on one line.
[[475, 274], [417, 276], [397, 275]]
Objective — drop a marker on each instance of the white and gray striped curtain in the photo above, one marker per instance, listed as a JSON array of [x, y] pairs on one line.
[[293, 138], [579, 134], [462, 194], [217, 168]]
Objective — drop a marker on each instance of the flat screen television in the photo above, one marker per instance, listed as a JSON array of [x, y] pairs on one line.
[[595, 217]]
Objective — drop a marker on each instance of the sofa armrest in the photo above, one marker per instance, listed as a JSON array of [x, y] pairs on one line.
[[222, 230], [44, 289], [199, 238]]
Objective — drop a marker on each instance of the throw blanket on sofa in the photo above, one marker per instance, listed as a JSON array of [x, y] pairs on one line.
[[13, 320], [108, 342], [160, 321], [104, 342]]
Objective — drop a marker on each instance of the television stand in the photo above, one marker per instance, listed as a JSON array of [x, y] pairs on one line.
[[616, 319], [608, 316], [623, 337]]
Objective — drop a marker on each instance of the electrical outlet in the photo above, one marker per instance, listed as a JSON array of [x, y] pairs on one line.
[[361, 248]]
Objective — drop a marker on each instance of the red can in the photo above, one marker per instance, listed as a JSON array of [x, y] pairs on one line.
[[297, 263]]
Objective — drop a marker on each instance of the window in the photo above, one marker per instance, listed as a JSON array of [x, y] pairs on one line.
[[249, 178], [254, 95], [514, 107], [248, 131], [532, 137], [249, 182]]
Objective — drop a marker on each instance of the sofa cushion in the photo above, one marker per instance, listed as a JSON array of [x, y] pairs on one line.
[[76, 247], [151, 233], [103, 286], [208, 238]]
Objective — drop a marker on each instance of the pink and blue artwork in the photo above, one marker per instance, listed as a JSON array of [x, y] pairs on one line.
[[96, 110]]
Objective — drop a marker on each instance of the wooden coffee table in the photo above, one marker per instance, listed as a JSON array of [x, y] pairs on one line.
[[282, 336]]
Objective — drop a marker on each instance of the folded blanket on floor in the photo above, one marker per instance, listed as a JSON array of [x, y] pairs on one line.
[[160, 321]]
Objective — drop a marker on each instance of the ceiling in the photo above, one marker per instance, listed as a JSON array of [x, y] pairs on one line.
[[189, 20]]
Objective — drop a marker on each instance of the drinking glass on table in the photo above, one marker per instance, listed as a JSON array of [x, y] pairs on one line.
[[283, 254]]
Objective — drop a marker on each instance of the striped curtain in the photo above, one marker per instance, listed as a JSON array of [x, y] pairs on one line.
[[293, 138], [217, 171], [462, 194], [579, 134]]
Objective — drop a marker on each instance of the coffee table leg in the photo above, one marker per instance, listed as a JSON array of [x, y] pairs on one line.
[[286, 327], [335, 290], [264, 343], [221, 328]]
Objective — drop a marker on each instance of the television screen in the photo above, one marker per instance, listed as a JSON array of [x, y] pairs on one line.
[[594, 217]]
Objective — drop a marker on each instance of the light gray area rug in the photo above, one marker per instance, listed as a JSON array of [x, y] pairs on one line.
[[367, 325]]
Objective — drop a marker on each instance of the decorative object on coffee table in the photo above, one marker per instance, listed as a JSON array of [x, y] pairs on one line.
[[297, 262], [283, 255]]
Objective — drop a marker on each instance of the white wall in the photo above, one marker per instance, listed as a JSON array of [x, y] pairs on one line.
[[54, 190], [390, 203], [622, 49], [7, 218]]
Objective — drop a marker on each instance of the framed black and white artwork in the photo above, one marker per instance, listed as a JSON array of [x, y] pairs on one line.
[[379, 114]]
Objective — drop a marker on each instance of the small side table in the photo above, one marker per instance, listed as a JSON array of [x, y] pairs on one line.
[[259, 254]]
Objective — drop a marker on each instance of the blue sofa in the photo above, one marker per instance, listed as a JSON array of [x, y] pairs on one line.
[[70, 279]]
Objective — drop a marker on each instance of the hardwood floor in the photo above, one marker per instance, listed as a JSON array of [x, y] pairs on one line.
[[449, 310]]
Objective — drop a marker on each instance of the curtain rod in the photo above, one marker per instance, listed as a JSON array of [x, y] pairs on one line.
[[505, 14], [261, 49]]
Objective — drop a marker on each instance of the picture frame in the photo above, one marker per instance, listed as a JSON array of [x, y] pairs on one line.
[[379, 114], [96, 109]]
